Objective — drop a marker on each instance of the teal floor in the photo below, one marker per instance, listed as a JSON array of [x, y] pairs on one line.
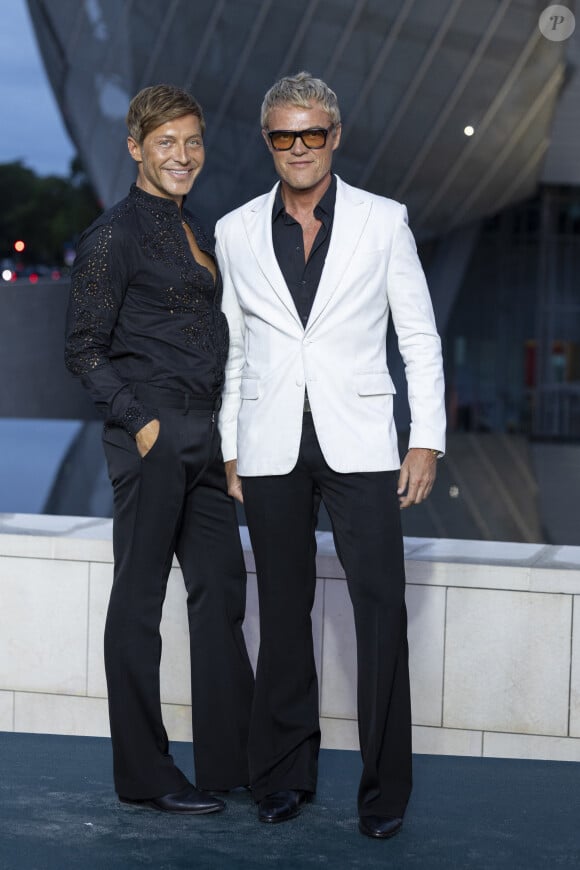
[[58, 812]]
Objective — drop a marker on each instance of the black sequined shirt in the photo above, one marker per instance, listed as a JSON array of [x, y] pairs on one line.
[[142, 310]]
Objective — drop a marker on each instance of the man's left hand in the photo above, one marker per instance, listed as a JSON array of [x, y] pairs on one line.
[[417, 476]]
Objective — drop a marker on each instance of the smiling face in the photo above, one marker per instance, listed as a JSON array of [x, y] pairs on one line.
[[170, 158], [302, 168]]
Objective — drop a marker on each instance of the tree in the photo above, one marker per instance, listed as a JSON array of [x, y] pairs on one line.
[[47, 212]]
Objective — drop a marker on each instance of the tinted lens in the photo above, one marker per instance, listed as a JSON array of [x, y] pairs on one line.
[[282, 140], [314, 138]]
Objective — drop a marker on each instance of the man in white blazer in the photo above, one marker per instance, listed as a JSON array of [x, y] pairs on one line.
[[312, 271]]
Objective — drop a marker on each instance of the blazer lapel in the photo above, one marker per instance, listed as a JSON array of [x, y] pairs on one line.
[[351, 213], [257, 218]]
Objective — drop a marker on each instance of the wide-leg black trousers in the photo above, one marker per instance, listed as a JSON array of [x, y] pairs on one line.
[[284, 734], [174, 500]]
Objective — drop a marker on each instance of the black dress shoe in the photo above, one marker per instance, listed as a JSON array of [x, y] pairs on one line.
[[380, 827], [281, 805], [189, 801]]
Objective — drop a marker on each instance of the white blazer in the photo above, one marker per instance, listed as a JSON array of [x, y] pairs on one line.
[[372, 271]]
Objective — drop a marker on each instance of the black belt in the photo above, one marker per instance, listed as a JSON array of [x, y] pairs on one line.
[[180, 399]]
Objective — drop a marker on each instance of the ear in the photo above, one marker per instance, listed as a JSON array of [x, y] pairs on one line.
[[336, 136], [134, 149]]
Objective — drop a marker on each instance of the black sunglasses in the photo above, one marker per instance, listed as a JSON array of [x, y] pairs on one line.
[[283, 140]]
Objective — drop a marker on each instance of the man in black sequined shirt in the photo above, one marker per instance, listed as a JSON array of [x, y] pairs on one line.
[[147, 338]]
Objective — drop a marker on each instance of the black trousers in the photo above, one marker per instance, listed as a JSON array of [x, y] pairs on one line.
[[284, 734], [175, 501]]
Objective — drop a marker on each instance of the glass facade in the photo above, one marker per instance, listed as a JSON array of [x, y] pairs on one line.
[[513, 339]]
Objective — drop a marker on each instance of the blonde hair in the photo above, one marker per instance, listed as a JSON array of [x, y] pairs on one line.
[[158, 104], [300, 90]]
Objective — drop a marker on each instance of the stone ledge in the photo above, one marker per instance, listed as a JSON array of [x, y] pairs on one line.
[[495, 668], [535, 567]]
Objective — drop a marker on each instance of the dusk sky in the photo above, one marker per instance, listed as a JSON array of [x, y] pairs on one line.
[[32, 130]]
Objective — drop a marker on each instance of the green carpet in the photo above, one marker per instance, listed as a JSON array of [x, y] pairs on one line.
[[58, 812]]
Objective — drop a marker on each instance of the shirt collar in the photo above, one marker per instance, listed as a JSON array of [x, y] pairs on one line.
[[327, 202], [278, 207], [150, 201], [324, 208]]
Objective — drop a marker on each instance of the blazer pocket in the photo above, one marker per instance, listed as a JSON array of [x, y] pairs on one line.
[[375, 384], [372, 252], [249, 388]]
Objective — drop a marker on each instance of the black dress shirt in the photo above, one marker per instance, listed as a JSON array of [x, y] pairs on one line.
[[142, 310], [302, 278]]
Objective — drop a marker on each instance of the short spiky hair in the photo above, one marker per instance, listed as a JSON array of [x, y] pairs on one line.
[[300, 90], [157, 105]]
